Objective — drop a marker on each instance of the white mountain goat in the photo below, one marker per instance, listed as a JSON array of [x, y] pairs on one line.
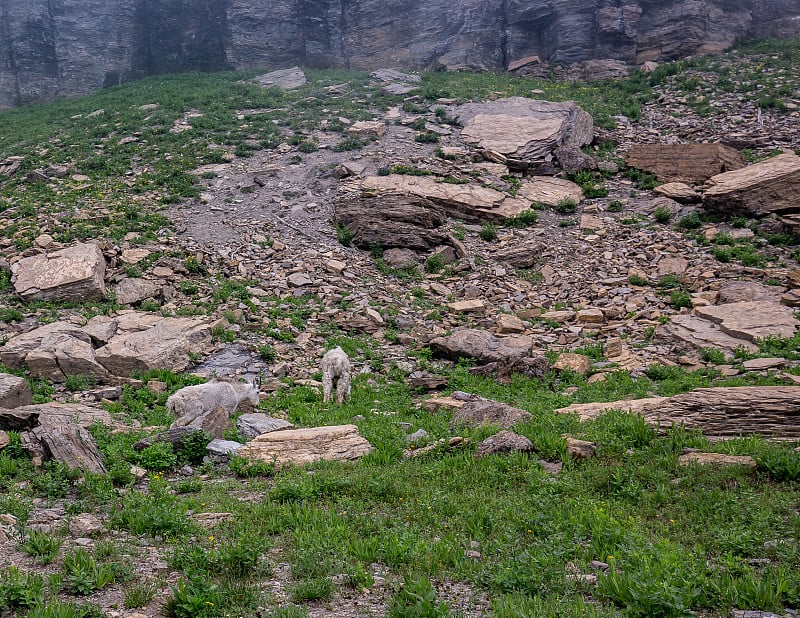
[[336, 368], [191, 402]]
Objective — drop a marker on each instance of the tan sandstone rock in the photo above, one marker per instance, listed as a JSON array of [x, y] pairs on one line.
[[73, 274]]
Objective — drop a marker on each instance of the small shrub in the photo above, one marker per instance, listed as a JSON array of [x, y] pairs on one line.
[[780, 464], [426, 137], [526, 218], [158, 456], [348, 144], [638, 280], [75, 383], [679, 298], [417, 599], [662, 214], [139, 594], [690, 222], [566, 206], [713, 355], [266, 353], [195, 599], [434, 264], [488, 232], [615, 206], [344, 235], [308, 146]]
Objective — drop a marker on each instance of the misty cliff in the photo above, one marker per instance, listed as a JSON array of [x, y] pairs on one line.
[[62, 48]]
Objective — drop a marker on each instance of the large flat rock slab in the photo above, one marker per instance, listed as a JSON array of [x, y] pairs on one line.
[[482, 346], [771, 186], [724, 412], [692, 332], [73, 274], [752, 320], [302, 446], [526, 130], [689, 163], [107, 347], [469, 202], [550, 191], [162, 344], [288, 79]]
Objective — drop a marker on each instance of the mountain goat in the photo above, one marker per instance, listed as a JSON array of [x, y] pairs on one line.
[[336, 368], [191, 402]]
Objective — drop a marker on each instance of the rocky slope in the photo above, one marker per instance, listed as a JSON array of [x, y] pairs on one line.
[[63, 48]]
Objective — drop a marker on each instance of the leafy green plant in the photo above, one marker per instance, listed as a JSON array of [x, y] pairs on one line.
[[314, 589], [615, 206], [488, 232], [566, 206], [713, 355], [417, 599], [662, 214], [344, 235], [20, 590], [526, 218], [82, 575], [780, 463], [158, 456], [638, 280], [42, 546], [679, 298]]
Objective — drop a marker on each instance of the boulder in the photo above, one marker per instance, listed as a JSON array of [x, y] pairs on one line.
[[132, 291], [74, 274], [470, 202], [400, 258], [391, 220], [288, 79], [744, 291], [483, 412], [301, 446], [524, 131], [222, 448], [369, 128], [504, 442], [549, 191], [146, 342], [14, 354], [771, 186], [573, 160], [678, 191], [85, 525], [524, 255], [250, 426], [14, 391], [61, 434], [687, 163], [579, 363], [482, 346], [213, 422]]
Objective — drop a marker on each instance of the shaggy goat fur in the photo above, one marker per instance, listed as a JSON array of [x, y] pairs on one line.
[[336, 368], [191, 402]]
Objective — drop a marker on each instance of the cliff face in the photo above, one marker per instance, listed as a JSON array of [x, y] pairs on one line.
[[62, 48]]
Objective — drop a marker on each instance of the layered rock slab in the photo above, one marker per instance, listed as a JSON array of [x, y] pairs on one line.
[[391, 220], [72, 274], [689, 163], [472, 203], [524, 130], [119, 346], [771, 186], [302, 446]]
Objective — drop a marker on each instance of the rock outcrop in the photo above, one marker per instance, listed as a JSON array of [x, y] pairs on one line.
[[55, 48]]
